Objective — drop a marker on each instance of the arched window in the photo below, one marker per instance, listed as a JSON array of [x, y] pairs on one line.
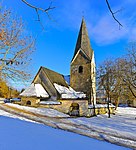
[[80, 70]]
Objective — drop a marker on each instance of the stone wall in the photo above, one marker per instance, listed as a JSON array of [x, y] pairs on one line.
[[80, 81], [34, 101], [83, 81], [66, 104], [102, 110]]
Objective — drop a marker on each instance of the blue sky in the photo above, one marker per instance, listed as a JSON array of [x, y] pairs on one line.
[[55, 46]]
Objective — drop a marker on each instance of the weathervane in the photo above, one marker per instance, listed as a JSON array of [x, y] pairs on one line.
[[83, 13]]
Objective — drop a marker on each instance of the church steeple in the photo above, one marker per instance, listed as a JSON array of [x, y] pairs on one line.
[[83, 41], [82, 69]]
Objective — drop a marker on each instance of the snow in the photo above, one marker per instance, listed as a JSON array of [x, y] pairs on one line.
[[67, 93], [122, 125], [2, 100], [71, 96], [35, 90], [6, 114], [42, 111], [21, 135], [41, 91], [50, 102], [62, 89], [119, 129], [101, 106], [126, 111]]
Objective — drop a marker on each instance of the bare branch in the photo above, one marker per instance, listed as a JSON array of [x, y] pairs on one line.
[[113, 13], [38, 16], [37, 9], [118, 11]]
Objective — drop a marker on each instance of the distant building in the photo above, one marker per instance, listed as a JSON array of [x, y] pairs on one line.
[[50, 89]]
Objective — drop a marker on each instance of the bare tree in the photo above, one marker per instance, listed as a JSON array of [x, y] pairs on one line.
[[106, 80], [118, 77], [15, 47], [129, 75], [119, 86]]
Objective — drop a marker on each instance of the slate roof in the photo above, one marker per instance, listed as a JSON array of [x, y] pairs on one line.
[[83, 41], [55, 77]]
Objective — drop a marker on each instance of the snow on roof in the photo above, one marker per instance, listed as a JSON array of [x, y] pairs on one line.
[[1, 99], [50, 103], [35, 90], [73, 95], [101, 106], [67, 93]]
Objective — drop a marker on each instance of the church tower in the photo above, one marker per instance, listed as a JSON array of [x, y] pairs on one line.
[[82, 70]]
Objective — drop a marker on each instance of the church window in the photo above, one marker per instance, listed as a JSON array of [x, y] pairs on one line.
[[80, 70]]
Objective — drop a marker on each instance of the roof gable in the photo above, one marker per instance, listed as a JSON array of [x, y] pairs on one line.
[[83, 55]]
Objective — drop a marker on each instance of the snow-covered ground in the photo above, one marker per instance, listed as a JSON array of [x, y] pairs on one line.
[[122, 124], [6, 114], [21, 135], [119, 129], [43, 111]]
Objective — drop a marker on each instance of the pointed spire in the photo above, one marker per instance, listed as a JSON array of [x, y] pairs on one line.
[[83, 41]]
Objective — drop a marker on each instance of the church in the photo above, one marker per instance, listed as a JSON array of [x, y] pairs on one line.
[[49, 89]]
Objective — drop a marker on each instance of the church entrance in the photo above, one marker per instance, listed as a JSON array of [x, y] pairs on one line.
[[28, 103], [74, 109]]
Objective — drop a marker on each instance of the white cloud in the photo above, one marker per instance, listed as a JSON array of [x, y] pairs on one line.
[[107, 31]]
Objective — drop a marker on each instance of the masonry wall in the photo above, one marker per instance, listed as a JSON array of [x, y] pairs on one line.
[[102, 110], [34, 101], [81, 81], [65, 106]]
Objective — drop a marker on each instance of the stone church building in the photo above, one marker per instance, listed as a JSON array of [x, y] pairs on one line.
[[50, 90]]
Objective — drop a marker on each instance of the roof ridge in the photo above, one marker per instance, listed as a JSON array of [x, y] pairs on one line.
[[52, 70]]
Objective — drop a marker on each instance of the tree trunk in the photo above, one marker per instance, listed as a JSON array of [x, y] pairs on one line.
[[108, 105], [117, 103]]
